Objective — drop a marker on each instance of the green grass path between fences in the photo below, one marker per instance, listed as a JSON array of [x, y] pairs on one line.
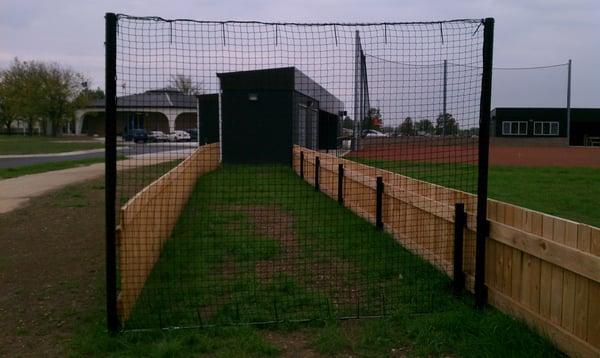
[[208, 274]]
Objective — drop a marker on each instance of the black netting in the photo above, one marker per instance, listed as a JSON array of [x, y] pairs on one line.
[[281, 172]]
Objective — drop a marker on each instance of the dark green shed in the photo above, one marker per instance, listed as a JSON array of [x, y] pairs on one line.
[[265, 112], [208, 113]]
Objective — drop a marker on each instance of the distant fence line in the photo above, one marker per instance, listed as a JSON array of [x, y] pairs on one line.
[[540, 268]]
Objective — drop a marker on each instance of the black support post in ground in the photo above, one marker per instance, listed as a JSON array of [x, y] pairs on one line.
[[484, 141], [340, 188], [460, 218], [111, 170], [317, 169], [379, 204], [302, 165]]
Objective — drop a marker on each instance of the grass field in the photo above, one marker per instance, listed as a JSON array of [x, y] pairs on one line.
[[6, 173], [18, 144], [570, 193], [208, 273]]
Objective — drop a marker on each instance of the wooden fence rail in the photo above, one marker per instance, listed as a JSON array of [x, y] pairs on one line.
[[540, 268], [146, 222]]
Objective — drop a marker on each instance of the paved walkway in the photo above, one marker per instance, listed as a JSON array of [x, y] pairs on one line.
[[45, 155], [15, 192]]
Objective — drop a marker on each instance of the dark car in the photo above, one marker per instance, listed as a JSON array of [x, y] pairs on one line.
[[193, 134], [136, 135]]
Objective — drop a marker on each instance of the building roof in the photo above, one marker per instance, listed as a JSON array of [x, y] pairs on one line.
[[577, 114], [282, 78], [158, 98]]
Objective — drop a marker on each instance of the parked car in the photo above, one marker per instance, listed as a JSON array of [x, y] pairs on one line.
[[369, 133], [179, 136], [137, 135], [157, 136], [193, 134]]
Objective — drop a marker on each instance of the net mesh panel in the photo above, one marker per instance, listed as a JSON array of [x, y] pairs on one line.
[[543, 86], [231, 208]]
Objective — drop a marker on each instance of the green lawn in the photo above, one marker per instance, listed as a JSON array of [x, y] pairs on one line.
[[325, 263], [571, 193], [19, 144], [6, 173]]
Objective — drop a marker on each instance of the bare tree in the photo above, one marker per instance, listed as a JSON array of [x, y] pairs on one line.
[[185, 84]]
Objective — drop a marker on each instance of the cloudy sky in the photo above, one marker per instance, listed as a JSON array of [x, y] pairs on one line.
[[528, 33]]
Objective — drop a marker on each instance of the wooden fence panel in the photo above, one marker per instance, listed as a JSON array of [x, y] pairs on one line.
[[540, 268], [147, 220]]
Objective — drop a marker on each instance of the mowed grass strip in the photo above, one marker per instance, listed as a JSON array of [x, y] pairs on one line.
[[6, 173], [257, 244], [20, 144], [570, 193], [211, 261]]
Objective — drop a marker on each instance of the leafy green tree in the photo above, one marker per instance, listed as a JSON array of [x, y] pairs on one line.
[[348, 123], [407, 128], [43, 93], [445, 124], [424, 126], [373, 120]]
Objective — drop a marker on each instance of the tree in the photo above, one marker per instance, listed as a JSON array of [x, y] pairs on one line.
[[348, 123], [38, 92], [6, 117], [63, 93], [185, 85], [373, 120], [424, 126], [446, 125], [407, 128]]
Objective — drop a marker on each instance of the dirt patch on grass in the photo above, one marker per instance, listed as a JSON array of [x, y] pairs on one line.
[[322, 273], [53, 259], [292, 344]]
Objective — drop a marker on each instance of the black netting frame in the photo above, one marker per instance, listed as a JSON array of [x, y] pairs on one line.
[[319, 177]]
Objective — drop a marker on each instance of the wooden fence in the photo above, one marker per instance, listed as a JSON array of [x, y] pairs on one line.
[[146, 222], [539, 268]]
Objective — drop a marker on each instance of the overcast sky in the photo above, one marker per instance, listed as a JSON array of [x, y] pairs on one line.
[[528, 33]]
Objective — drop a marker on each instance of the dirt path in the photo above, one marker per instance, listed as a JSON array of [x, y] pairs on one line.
[[329, 274], [15, 192], [51, 263]]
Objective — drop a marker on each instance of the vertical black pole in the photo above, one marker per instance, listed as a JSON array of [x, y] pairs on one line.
[[459, 225], [199, 142], [302, 165], [111, 170], [340, 183], [378, 204], [317, 167], [484, 141]]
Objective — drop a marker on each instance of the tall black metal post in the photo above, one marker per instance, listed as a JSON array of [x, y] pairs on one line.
[[302, 165], [340, 188], [484, 141], [459, 225], [111, 170], [379, 204], [317, 169]]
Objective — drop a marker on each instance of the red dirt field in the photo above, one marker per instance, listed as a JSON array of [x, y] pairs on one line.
[[546, 156], [499, 155]]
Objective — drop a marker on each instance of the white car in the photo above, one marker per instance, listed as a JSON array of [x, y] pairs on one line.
[[158, 136], [368, 133], [179, 136]]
